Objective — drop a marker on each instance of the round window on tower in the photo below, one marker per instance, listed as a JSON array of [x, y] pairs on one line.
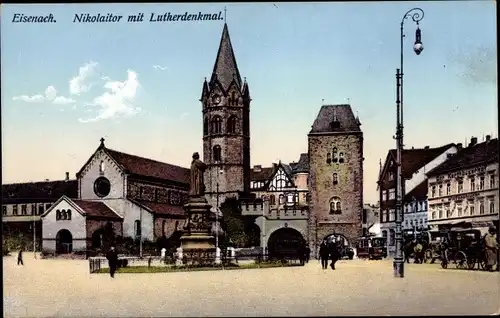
[[102, 187]]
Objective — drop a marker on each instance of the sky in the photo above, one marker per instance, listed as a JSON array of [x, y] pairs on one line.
[[65, 85]]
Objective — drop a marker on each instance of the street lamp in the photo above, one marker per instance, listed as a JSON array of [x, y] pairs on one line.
[[217, 211], [416, 14], [414, 203]]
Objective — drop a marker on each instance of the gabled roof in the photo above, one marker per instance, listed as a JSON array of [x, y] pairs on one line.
[[160, 208], [263, 174], [413, 159], [419, 192], [302, 165], [32, 192], [143, 167], [89, 209], [482, 153], [342, 114], [225, 67]]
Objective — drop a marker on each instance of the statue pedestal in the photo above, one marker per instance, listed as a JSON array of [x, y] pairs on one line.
[[197, 243]]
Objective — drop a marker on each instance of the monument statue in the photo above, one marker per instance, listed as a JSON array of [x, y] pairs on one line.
[[197, 185]]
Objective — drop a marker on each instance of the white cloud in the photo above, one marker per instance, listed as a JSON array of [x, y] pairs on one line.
[[50, 95], [160, 68], [77, 84], [117, 100]]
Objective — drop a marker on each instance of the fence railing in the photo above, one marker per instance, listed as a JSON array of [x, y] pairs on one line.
[[195, 258]]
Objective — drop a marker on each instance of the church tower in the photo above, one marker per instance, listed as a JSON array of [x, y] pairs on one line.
[[226, 127]]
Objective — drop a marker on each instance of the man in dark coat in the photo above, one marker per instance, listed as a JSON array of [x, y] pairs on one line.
[[323, 254], [112, 257], [308, 253], [20, 257], [334, 253]]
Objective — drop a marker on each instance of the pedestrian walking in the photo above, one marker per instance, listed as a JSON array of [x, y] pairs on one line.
[[491, 248], [308, 253], [418, 249], [334, 253], [20, 257], [112, 257], [323, 254]]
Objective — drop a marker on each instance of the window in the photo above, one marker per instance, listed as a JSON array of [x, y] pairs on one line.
[[216, 125], [68, 215], [459, 210], [448, 213], [14, 209], [328, 158], [384, 195], [335, 206], [101, 167], [33, 209], [63, 215], [492, 206], [392, 215], [391, 176], [492, 180], [217, 152], [440, 190], [58, 215], [282, 199], [137, 228], [481, 183], [472, 184], [460, 186], [440, 213], [481, 207], [24, 209], [392, 237], [40, 209], [433, 191], [471, 208], [231, 125], [433, 215], [205, 127], [448, 189], [341, 157], [335, 179], [334, 155], [272, 199], [384, 234], [4, 210], [392, 194]]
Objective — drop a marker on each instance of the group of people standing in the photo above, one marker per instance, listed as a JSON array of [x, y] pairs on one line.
[[329, 250]]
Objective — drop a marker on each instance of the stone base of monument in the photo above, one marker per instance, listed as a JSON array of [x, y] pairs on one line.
[[197, 243]]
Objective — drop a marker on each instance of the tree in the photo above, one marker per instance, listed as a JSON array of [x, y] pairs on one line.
[[233, 223]]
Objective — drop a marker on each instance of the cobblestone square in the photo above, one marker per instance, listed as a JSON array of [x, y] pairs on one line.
[[63, 288]]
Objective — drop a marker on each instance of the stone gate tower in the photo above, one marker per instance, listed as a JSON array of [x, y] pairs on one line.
[[226, 127], [335, 145]]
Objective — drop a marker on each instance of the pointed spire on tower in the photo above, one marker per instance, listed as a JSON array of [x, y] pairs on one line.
[[225, 63]]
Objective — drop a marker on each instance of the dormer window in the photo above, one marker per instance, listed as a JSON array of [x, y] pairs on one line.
[[334, 125], [328, 158], [334, 154], [341, 157]]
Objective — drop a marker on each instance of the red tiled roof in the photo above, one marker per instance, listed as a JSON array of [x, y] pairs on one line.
[[31, 192], [162, 208], [482, 153], [419, 192], [414, 159], [149, 168], [96, 209]]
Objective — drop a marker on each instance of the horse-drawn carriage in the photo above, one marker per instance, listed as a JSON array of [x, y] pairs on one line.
[[372, 248], [464, 248]]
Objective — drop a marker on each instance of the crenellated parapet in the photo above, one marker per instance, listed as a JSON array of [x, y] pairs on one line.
[[256, 207]]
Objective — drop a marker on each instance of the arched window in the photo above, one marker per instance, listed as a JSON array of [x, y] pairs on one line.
[[282, 199], [137, 228], [217, 152], [231, 125], [68, 215], [334, 154], [164, 228], [217, 125], [272, 199], [328, 158], [341, 157], [58, 215], [205, 127], [63, 214], [101, 167], [335, 205], [335, 179]]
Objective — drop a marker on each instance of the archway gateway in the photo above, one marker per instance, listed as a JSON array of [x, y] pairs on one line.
[[341, 240], [64, 242], [285, 241]]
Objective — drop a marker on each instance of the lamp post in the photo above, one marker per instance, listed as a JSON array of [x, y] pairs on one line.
[[139, 228], [414, 203], [416, 14], [217, 211], [34, 233]]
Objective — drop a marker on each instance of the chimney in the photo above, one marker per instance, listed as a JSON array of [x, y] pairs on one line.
[[459, 146], [257, 168], [67, 176], [426, 147], [488, 137], [473, 141]]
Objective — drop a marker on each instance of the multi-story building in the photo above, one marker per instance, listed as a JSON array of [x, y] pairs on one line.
[[415, 209], [24, 203], [335, 145], [463, 191], [415, 164], [371, 220]]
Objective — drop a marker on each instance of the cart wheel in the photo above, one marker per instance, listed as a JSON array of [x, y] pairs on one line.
[[427, 255], [461, 260], [472, 263]]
